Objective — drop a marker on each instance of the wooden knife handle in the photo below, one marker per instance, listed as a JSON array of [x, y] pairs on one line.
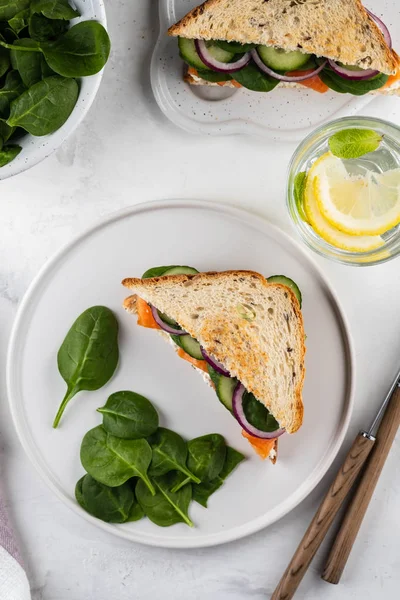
[[320, 524], [358, 507]]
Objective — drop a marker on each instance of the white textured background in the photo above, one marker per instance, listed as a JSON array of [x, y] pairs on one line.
[[126, 152]]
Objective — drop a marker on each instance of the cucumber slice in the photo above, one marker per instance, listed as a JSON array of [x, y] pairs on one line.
[[189, 345], [180, 271], [289, 283], [280, 60], [225, 388], [234, 47], [188, 53]]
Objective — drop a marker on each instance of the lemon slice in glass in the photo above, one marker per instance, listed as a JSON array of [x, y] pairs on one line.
[[325, 230], [358, 205]]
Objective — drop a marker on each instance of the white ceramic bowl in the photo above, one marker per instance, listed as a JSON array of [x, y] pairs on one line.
[[35, 149]]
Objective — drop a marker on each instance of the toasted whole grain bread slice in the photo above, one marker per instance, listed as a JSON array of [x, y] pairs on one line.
[[341, 30], [130, 305], [255, 329]]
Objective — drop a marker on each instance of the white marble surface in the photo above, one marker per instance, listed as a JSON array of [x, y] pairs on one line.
[[126, 152]]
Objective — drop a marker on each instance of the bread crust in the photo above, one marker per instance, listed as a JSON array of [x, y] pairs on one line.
[[341, 30], [217, 335]]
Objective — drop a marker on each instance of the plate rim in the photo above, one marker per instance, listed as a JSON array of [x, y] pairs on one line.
[[221, 537]]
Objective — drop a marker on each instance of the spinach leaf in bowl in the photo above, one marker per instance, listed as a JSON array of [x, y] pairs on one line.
[[9, 8], [45, 106], [169, 454], [13, 87], [112, 461], [28, 64], [20, 20], [43, 29], [89, 353], [80, 52], [8, 153], [165, 508], [129, 415], [54, 9]]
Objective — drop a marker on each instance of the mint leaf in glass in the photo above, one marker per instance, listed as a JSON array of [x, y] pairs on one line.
[[299, 188], [353, 143]]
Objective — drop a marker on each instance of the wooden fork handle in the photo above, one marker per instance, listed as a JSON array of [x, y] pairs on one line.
[[358, 507], [320, 524]]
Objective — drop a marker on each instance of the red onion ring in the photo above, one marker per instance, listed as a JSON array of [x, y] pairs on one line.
[[382, 27], [263, 67], [217, 65], [351, 74], [164, 326], [215, 364], [237, 405]]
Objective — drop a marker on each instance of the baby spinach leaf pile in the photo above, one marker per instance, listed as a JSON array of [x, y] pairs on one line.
[[41, 57], [136, 468]]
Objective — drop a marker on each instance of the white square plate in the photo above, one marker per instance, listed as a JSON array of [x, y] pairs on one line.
[[284, 114]]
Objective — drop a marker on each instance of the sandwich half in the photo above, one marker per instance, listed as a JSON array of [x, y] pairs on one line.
[[260, 44], [242, 333]]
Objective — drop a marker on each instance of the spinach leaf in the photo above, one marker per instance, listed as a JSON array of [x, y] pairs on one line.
[[165, 508], [257, 414], [113, 461], [8, 153], [4, 61], [235, 47], [203, 491], [45, 107], [54, 9], [12, 88], [41, 28], [347, 86], [252, 78], [79, 493], [20, 20], [129, 415], [169, 454], [136, 513], [82, 51], [28, 64], [110, 504], [206, 458], [5, 132], [9, 8], [214, 76], [88, 355]]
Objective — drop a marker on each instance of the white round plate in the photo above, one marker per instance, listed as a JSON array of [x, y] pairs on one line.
[[88, 272], [36, 149]]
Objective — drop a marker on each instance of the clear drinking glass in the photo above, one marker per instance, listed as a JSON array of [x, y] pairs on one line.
[[386, 157]]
